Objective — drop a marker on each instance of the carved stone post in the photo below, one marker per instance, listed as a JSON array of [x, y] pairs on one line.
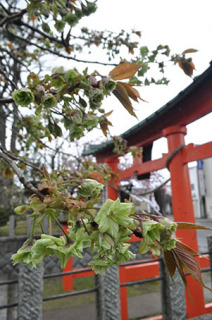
[[30, 293], [108, 295], [173, 296], [12, 225]]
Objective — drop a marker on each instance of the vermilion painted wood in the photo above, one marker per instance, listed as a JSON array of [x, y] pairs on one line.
[[203, 261], [123, 294], [208, 308], [190, 105], [197, 105], [189, 153], [140, 272], [181, 190], [193, 153], [133, 273], [112, 193], [68, 280], [143, 167], [183, 211]]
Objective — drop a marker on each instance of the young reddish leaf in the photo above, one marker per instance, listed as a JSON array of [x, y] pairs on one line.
[[10, 45], [170, 262], [187, 66], [45, 172], [187, 248], [190, 226], [33, 18], [43, 186], [121, 93], [180, 269], [124, 71], [108, 113], [96, 176], [189, 51], [132, 92], [104, 126], [8, 173], [189, 263]]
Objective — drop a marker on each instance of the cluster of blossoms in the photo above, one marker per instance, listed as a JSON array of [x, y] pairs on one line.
[[161, 232], [105, 231], [64, 100]]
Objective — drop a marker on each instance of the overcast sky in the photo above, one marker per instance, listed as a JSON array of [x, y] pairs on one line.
[[180, 24]]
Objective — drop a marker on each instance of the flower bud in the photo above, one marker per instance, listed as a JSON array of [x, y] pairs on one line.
[[90, 121], [49, 101], [169, 225], [90, 188], [59, 25], [71, 75], [96, 96], [23, 97], [71, 19], [89, 8], [108, 84]]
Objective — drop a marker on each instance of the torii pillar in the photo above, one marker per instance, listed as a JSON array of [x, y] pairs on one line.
[[183, 211]]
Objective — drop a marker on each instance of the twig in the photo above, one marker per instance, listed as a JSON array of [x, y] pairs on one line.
[[21, 160], [12, 17], [140, 194], [53, 39], [6, 100], [21, 177], [59, 54], [69, 241], [153, 216]]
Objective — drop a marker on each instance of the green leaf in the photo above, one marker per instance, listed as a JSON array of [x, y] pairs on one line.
[[38, 205], [143, 247], [57, 130], [113, 228], [38, 110], [45, 27], [144, 51], [21, 209]]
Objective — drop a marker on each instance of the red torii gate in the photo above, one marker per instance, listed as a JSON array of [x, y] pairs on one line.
[[170, 122]]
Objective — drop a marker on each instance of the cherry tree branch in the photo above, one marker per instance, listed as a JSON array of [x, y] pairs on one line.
[[11, 156], [21, 177], [57, 53], [6, 100]]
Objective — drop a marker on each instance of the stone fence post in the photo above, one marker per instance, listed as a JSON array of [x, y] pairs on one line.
[[108, 295], [173, 295], [11, 225], [209, 240], [30, 293]]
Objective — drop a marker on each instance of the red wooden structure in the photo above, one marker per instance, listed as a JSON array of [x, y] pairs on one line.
[[170, 122]]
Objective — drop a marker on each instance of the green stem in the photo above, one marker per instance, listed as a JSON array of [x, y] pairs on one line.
[[41, 226], [91, 214], [50, 225], [32, 231], [85, 227], [69, 241]]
